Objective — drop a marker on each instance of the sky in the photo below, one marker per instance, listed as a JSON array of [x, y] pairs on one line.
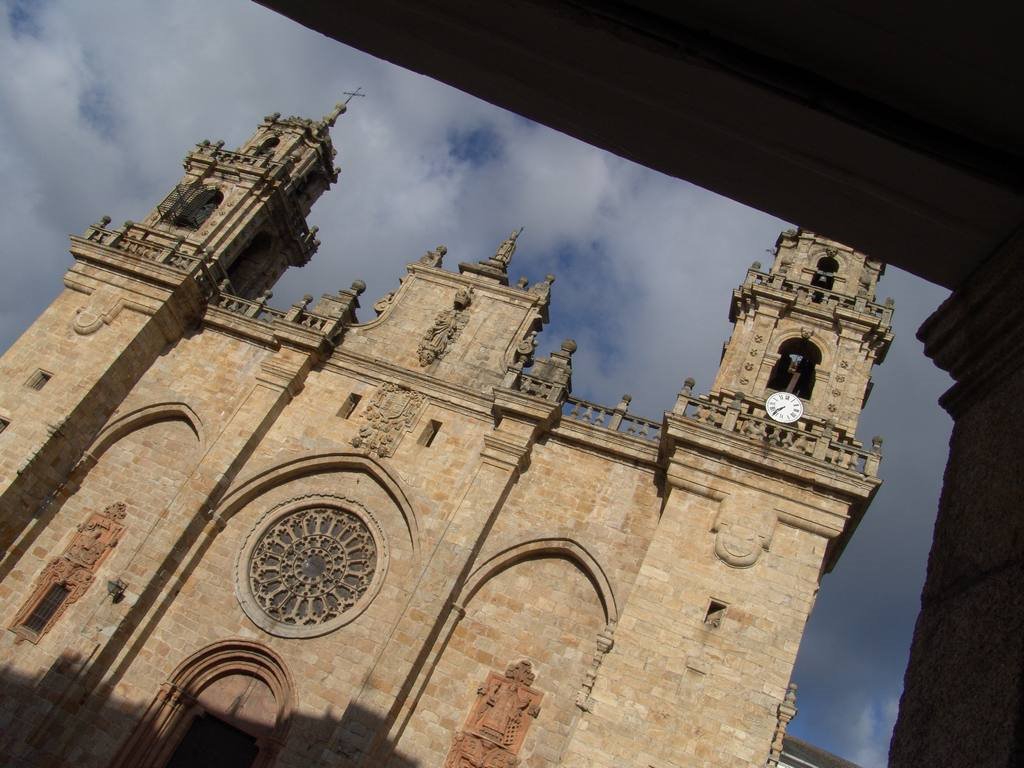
[[99, 102]]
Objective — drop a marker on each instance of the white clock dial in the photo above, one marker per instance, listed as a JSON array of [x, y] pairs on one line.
[[784, 407]]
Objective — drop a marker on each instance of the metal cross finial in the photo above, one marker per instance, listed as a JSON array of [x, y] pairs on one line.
[[341, 107], [352, 94]]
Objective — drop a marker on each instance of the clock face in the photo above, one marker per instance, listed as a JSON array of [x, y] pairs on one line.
[[784, 407]]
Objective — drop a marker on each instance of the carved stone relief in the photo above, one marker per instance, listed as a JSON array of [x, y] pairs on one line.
[[740, 538], [392, 412], [310, 565], [437, 340], [385, 301], [433, 258], [75, 569], [605, 641], [497, 725]]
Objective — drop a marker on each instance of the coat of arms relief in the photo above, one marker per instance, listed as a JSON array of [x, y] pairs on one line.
[[494, 732], [391, 413]]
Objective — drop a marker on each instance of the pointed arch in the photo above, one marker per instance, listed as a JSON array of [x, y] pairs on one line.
[[144, 416], [539, 548], [197, 688], [261, 482]]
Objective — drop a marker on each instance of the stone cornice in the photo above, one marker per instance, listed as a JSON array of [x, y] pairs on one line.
[[513, 403], [116, 260], [616, 445], [373, 370], [686, 434], [975, 334], [510, 294]]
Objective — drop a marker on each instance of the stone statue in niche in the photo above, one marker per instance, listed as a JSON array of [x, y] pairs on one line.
[[740, 538], [497, 726], [437, 340], [392, 412]]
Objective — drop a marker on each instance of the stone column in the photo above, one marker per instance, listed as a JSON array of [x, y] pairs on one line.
[[963, 699], [377, 714]]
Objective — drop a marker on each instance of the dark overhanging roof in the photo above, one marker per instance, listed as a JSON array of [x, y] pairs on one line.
[[898, 129]]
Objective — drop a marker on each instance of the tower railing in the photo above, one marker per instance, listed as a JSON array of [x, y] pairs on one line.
[[230, 157], [159, 247], [812, 294], [820, 441]]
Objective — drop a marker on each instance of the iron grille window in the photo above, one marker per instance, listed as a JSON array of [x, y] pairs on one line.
[[189, 205], [46, 608], [39, 379]]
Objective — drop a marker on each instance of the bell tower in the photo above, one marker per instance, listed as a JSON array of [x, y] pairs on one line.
[[810, 326], [222, 237], [244, 211]]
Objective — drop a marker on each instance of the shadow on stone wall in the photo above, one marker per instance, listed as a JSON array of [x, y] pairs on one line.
[[51, 722]]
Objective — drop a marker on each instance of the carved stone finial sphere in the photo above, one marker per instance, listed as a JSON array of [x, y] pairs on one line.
[[569, 346], [358, 286]]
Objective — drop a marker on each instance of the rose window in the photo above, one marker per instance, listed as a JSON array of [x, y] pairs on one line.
[[311, 566]]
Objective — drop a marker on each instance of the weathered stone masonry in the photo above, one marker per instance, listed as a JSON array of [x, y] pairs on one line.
[[403, 542]]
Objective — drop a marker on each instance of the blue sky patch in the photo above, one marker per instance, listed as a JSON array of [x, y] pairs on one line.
[[23, 16], [477, 146], [95, 108]]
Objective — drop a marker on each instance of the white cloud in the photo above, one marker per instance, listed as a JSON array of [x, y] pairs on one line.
[[871, 732]]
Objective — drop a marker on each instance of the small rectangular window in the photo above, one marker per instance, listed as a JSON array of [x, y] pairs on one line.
[[716, 612], [429, 433], [349, 405], [39, 379], [46, 608]]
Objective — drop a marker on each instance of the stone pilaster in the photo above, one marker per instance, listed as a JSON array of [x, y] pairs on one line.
[[963, 697]]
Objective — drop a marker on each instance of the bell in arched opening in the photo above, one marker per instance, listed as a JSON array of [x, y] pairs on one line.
[[794, 371]]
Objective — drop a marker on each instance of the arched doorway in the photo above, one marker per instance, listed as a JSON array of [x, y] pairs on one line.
[[228, 705]]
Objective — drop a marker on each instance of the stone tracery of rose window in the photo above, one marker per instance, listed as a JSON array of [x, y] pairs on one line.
[[312, 565]]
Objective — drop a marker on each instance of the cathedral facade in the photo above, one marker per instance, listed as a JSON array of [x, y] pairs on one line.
[[237, 536]]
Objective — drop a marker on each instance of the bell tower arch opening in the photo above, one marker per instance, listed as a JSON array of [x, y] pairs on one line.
[[795, 369], [825, 275]]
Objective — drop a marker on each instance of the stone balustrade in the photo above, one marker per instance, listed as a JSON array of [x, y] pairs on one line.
[[615, 419], [538, 387], [812, 438], [805, 292], [255, 310], [221, 155]]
